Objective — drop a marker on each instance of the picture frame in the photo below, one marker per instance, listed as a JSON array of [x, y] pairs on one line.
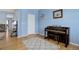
[[58, 13]]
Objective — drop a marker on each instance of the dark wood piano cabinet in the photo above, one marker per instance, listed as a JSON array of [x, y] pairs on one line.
[[61, 34]]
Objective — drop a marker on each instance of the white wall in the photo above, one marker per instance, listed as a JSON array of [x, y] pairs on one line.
[[4, 12]]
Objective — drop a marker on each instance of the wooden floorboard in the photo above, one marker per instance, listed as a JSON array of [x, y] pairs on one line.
[[15, 43]]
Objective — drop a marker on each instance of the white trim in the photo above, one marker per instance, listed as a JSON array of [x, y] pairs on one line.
[[22, 36], [41, 34], [31, 24], [25, 35], [74, 44]]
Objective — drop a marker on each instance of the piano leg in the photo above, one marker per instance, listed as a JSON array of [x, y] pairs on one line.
[[66, 45], [66, 41], [58, 38], [45, 35]]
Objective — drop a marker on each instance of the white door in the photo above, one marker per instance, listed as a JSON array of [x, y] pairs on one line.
[[31, 24]]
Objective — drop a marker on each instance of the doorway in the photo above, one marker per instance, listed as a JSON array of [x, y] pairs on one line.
[[12, 28], [31, 24]]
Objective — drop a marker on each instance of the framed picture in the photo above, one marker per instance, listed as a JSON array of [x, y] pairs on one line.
[[58, 13]]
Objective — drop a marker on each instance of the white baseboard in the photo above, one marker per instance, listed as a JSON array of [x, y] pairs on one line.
[[41, 34], [74, 44], [25, 35], [22, 36]]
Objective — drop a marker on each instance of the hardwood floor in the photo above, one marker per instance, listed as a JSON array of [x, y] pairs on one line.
[[12, 44], [17, 44]]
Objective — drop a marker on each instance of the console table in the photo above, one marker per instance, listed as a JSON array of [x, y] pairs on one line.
[[61, 34]]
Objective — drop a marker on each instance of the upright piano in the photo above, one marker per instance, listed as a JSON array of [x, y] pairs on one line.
[[61, 34]]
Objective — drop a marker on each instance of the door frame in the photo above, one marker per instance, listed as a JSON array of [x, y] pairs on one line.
[[31, 24]]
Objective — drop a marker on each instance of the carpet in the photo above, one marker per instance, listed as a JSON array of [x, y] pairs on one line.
[[39, 44]]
